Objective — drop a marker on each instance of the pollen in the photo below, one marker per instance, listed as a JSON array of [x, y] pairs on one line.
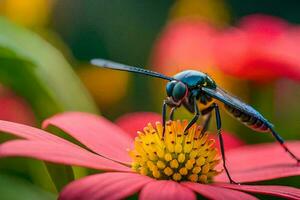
[[178, 155]]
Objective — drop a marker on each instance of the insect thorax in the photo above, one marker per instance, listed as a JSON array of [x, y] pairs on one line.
[[191, 78], [205, 101]]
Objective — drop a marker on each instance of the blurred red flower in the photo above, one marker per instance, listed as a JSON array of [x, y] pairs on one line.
[[260, 48], [106, 146], [186, 44], [14, 108]]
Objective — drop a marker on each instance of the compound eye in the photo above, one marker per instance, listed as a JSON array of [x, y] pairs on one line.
[[169, 87], [179, 91]]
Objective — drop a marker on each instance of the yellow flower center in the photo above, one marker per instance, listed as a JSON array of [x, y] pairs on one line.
[[177, 156]]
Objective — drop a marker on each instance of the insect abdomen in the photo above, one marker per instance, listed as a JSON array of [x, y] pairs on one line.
[[250, 121]]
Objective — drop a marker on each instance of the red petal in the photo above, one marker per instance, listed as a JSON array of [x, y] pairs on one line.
[[59, 153], [161, 190], [29, 132], [14, 108], [217, 193], [280, 191], [285, 51], [105, 186], [237, 55], [260, 155], [230, 141], [95, 132], [261, 173], [185, 44], [261, 48], [263, 27], [133, 122], [260, 162]]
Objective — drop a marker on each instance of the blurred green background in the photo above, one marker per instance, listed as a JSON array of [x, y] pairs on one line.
[[46, 45]]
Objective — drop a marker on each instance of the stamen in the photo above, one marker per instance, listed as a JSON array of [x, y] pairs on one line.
[[181, 158], [176, 177], [178, 156], [174, 164], [168, 171]]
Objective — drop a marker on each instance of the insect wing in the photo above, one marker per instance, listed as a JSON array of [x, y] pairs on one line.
[[118, 66], [234, 102]]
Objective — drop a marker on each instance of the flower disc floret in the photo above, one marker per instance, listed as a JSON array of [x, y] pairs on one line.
[[178, 155]]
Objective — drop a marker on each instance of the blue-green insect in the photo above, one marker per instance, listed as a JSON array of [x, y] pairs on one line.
[[192, 88]]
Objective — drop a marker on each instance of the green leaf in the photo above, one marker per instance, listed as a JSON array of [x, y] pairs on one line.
[[16, 188], [39, 72]]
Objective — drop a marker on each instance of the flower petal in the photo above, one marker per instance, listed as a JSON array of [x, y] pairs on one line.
[[95, 132], [260, 162], [230, 141], [105, 186], [14, 108], [266, 49], [133, 122], [263, 28], [280, 191], [261, 173], [260, 155], [160, 190], [59, 153], [28, 132], [218, 193], [185, 43]]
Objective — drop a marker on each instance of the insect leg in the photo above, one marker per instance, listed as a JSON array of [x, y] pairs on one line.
[[195, 118], [164, 113], [218, 120], [205, 124], [171, 117], [282, 143], [207, 112]]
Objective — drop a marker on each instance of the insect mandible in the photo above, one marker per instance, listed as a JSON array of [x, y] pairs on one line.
[[190, 87]]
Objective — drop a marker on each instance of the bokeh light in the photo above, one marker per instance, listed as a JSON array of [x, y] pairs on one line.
[[29, 13]]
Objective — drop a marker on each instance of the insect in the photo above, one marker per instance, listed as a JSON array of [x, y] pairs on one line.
[[190, 88]]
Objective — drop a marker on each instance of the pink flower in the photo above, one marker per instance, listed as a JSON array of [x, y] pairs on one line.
[[260, 48], [105, 149], [185, 43], [14, 108]]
